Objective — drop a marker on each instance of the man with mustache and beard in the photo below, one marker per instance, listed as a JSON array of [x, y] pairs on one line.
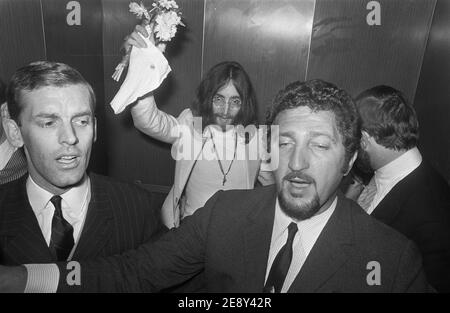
[[405, 192], [299, 235], [60, 212]]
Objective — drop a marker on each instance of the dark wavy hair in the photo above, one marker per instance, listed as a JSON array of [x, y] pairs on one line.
[[42, 74], [388, 117], [218, 77], [319, 95]]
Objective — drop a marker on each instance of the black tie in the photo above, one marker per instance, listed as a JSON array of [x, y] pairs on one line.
[[281, 264], [61, 242]]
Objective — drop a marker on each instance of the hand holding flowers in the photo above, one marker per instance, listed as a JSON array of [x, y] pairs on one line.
[[160, 23]]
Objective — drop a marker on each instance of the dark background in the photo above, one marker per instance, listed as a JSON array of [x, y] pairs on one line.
[[277, 41]]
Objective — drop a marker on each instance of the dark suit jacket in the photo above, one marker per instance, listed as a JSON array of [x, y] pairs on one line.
[[419, 207], [15, 168], [120, 217], [230, 238]]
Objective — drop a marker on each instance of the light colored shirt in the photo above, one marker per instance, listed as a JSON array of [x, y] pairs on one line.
[[304, 240], [389, 175], [206, 177], [6, 152], [74, 205]]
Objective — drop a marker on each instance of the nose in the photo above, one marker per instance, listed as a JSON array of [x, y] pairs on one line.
[[225, 108], [299, 159], [67, 134]]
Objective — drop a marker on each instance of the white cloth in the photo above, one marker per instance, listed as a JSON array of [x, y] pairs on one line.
[[304, 240], [147, 69], [389, 175], [74, 207], [6, 152]]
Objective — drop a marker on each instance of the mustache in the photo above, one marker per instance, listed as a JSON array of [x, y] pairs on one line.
[[225, 117], [300, 175]]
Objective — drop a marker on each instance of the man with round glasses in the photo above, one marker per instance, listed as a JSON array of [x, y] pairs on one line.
[[216, 154]]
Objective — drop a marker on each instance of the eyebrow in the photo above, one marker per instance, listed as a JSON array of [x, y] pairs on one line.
[[53, 115], [232, 97], [312, 134]]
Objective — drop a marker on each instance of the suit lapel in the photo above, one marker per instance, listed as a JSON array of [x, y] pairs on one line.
[[257, 237], [97, 227], [24, 241], [329, 253]]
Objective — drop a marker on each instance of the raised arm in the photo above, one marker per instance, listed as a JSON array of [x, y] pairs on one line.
[[152, 121]]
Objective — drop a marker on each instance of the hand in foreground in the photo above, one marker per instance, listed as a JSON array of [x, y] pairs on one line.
[[13, 278], [135, 39], [354, 189]]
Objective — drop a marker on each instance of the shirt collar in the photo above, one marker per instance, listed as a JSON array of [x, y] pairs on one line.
[[402, 165], [73, 199], [282, 221]]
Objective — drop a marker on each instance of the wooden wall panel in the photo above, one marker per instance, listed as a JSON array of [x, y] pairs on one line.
[[432, 101], [348, 52], [269, 38], [21, 35], [134, 156], [80, 46]]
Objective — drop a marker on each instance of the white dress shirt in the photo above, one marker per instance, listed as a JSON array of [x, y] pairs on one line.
[[304, 240], [6, 152], [389, 175], [74, 206]]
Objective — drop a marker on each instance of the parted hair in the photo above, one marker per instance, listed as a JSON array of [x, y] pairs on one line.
[[42, 74]]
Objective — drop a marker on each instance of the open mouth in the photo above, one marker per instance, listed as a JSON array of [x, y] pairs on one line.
[[68, 161], [299, 183]]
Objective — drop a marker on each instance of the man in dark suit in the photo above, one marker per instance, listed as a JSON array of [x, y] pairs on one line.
[[405, 192], [58, 212], [299, 235], [12, 160]]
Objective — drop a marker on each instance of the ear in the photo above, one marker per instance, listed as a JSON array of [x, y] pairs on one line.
[[12, 132], [350, 163], [365, 140]]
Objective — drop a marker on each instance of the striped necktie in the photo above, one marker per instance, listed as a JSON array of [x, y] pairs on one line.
[[365, 199], [61, 242]]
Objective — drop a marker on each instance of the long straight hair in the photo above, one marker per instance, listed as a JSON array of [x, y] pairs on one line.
[[218, 77]]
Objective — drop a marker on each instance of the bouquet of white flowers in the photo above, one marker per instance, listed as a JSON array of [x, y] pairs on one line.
[[164, 16]]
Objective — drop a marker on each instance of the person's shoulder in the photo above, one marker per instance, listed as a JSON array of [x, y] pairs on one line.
[[12, 185], [425, 194], [368, 228], [242, 201], [111, 184], [248, 193]]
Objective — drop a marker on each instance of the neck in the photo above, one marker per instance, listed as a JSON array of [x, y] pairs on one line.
[[386, 156]]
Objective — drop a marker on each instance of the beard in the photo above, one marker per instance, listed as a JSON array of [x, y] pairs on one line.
[[363, 162], [298, 211]]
